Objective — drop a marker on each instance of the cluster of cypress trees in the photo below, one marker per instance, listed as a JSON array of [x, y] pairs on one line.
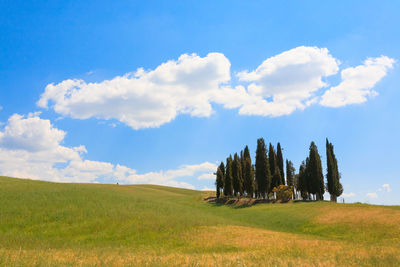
[[239, 177]]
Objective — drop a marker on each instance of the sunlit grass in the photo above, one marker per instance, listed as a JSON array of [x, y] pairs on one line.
[[48, 224]]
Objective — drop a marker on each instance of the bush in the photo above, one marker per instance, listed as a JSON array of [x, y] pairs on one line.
[[284, 193]]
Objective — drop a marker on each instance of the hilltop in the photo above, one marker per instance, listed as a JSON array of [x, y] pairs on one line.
[[48, 224]]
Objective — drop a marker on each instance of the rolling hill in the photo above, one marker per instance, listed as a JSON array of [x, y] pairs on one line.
[[54, 224]]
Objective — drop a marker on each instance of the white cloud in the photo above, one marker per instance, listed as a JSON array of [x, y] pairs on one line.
[[145, 98], [372, 195], [292, 80], [357, 83], [288, 81], [128, 175], [207, 176], [30, 133], [30, 147], [386, 188], [351, 194]]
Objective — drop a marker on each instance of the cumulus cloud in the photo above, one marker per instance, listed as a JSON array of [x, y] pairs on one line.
[[372, 195], [31, 147], [357, 83], [145, 98], [128, 175], [351, 194], [289, 81], [207, 176], [30, 133]]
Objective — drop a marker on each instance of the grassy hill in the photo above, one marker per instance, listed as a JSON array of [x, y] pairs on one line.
[[51, 224]]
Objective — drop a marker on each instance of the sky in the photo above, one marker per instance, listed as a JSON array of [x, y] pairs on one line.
[[161, 91]]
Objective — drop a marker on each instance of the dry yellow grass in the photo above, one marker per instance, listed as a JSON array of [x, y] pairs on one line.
[[221, 246], [367, 223], [360, 215], [252, 243]]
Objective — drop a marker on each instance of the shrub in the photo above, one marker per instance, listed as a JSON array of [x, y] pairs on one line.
[[283, 193]]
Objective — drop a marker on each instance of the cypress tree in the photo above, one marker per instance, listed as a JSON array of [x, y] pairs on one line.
[[302, 185], [296, 186], [290, 173], [222, 167], [273, 165], [248, 174], [276, 177], [263, 175], [334, 186], [314, 173], [246, 153], [271, 158], [279, 161], [307, 178], [219, 180], [237, 176], [242, 169], [242, 165], [255, 185], [330, 172], [228, 187]]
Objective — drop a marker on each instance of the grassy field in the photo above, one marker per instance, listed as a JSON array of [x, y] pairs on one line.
[[50, 224]]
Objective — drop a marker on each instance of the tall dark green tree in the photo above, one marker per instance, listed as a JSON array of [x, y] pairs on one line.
[[302, 185], [279, 161], [248, 173], [241, 157], [222, 167], [246, 153], [307, 178], [314, 173], [263, 174], [237, 176], [333, 185], [228, 186], [276, 177], [220, 179], [296, 186], [290, 176], [255, 185], [290, 172], [271, 158], [272, 166]]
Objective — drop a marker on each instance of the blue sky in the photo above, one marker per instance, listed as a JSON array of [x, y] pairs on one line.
[[296, 71]]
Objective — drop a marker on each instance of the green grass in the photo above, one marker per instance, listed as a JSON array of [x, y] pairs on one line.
[[47, 224]]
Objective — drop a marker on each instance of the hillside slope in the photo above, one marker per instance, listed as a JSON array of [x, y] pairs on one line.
[[47, 224]]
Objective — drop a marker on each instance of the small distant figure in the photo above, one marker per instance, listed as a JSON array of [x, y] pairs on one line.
[[117, 184], [343, 200]]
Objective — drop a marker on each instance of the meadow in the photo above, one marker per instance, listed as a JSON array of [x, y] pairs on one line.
[[54, 224]]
